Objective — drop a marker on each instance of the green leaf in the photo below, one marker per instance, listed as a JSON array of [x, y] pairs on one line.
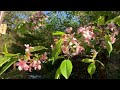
[[59, 57], [87, 60], [37, 48], [51, 59], [109, 47], [21, 27], [101, 20], [5, 48], [57, 50], [117, 20], [107, 37], [7, 65], [108, 44], [100, 62], [58, 73], [91, 69], [109, 21], [58, 33], [3, 60], [9, 54], [66, 68]]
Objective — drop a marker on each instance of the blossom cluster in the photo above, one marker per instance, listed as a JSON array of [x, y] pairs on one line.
[[28, 63], [115, 31], [89, 34], [72, 45], [37, 19], [112, 30]]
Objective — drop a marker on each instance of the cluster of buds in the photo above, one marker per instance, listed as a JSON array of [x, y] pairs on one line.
[[87, 33], [113, 32], [70, 46], [28, 63], [37, 19]]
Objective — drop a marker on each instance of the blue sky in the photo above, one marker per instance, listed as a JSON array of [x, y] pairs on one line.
[[63, 15]]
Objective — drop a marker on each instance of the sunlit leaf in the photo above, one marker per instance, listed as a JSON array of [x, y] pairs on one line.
[[109, 47], [58, 73], [100, 62], [37, 48], [7, 65], [3, 60], [21, 28], [87, 60], [58, 33], [5, 48], [108, 44], [117, 20], [107, 37], [101, 20], [66, 68], [11, 55], [109, 21], [91, 69], [57, 50]]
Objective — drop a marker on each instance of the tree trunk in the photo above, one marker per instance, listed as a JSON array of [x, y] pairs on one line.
[[1, 16]]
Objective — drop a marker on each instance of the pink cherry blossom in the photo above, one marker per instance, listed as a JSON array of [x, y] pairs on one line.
[[65, 36], [27, 50], [55, 40], [22, 65], [28, 47], [65, 42], [26, 67], [28, 54], [116, 32], [30, 67], [52, 46], [39, 67], [78, 49], [43, 57], [102, 44], [81, 29], [112, 39], [36, 65], [65, 49], [111, 26], [93, 51], [69, 29], [88, 34], [71, 35], [74, 41]]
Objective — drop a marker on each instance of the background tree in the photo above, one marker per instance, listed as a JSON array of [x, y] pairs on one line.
[[18, 34]]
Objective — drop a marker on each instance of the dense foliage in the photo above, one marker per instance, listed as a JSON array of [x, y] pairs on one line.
[[66, 44]]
